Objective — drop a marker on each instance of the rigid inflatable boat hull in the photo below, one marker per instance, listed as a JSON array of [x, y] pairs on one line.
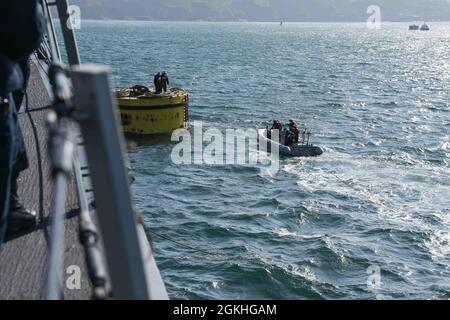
[[293, 151]]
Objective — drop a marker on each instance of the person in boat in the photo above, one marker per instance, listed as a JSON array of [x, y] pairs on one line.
[[293, 128], [289, 138], [268, 133], [157, 80], [276, 125], [164, 81]]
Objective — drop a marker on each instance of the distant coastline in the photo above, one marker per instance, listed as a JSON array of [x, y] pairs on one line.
[[254, 21], [262, 10]]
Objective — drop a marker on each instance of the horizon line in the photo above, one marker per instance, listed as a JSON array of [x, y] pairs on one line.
[[255, 21]]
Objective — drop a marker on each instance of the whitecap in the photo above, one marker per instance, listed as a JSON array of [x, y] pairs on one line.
[[283, 232], [445, 146]]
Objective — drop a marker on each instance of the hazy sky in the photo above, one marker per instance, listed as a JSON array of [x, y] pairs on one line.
[[264, 10]]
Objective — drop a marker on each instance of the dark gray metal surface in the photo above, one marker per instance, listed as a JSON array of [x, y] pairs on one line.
[[23, 259], [68, 32], [104, 147]]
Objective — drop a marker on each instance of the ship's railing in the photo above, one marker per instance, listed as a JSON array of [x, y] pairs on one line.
[[130, 265]]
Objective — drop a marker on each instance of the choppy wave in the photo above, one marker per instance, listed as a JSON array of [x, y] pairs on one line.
[[379, 196]]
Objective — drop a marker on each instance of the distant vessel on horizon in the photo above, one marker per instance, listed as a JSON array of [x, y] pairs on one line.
[[415, 27], [424, 27]]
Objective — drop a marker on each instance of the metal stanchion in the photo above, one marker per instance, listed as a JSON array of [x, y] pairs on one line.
[[62, 136], [132, 270]]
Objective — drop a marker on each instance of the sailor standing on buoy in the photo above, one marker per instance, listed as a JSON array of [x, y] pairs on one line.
[[157, 82], [164, 81]]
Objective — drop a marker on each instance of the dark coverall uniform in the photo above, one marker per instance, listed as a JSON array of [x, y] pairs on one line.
[[13, 157], [157, 83], [22, 25], [164, 81]]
